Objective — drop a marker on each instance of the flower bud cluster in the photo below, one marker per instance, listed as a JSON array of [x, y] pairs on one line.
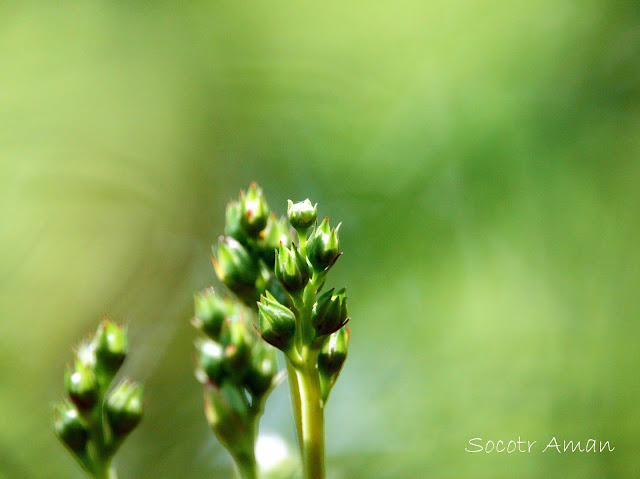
[[90, 422], [245, 255], [300, 268], [309, 323], [237, 369], [260, 263]]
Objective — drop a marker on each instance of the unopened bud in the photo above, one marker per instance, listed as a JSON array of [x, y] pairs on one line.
[[277, 322], [211, 361], [275, 288], [291, 268], [234, 266], [233, 222], [254, 209], [323, 246], [302, 215], [81, 386], [334, 353], [259, 377], [123, 408], [210, 313], [226, 410], [276, 232], [70, 427], [110, 346], [329, 313], [238, 351]]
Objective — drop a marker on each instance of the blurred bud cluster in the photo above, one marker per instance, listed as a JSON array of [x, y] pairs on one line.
[[237, 368], [230, 355], [93, 422]]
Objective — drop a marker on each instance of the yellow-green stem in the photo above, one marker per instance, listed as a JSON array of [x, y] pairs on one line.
[[294, 389], [102, 461], [312, 420], [247, 467]]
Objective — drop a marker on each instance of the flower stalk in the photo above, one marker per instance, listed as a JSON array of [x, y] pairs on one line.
[[281, 280], [317, 322], [239, 370]]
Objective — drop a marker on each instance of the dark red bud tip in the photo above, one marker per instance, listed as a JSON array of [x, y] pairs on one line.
[[335, 259]]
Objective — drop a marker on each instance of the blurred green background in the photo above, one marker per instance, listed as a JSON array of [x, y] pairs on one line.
[[483, 157]]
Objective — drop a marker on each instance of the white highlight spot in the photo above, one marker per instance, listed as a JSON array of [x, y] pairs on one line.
[[212, 349], [76, 378], [270, 451]]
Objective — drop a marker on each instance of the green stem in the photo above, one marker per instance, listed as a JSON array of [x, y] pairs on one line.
[[247, 467], [102, 458], [244, 451], [302, 243], [312, 419], [304, 380], [105, 471], [294, 389]]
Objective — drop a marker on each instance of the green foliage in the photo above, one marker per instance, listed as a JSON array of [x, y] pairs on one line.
[[482, 156]]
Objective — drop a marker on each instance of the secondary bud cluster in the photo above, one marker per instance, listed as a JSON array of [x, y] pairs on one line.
[[244, 257], [229, 350], [298, 267], [237, 369], [310, 327], [91, 426]]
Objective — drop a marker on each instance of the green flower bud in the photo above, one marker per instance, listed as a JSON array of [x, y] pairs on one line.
[[238, 351], [329, 313], [277, 322], [331, 359], [334, 353], [85, 353], [110, 346], [226, 410], [123, 408], [291, 268], [235, 268], [210, 313], [323, 247], [70, 427], [81, 386], [302, 215], [263, 370], [254, 210], [275, 288], [211, 361], [276, 232], [233, 222]]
